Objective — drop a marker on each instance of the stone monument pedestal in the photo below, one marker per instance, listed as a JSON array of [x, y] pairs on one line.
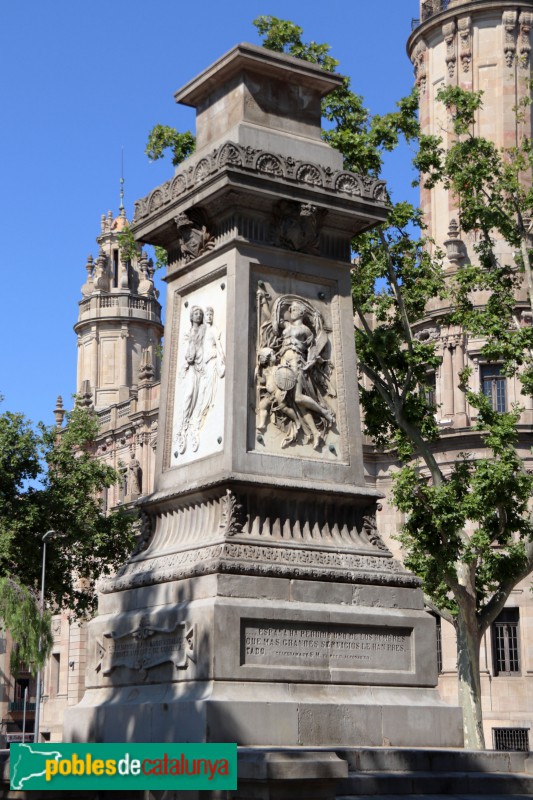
[[265, 661], [261, 605]]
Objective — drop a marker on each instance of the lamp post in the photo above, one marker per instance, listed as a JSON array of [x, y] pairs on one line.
[[46, 536]]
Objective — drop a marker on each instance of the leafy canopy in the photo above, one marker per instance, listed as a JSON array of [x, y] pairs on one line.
[[51, 481]]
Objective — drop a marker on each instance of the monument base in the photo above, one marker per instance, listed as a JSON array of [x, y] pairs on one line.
[[264, 662], [266, 714]]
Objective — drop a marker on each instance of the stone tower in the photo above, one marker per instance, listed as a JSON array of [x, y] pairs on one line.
[[119, 323], [261, 605], [477, 45]]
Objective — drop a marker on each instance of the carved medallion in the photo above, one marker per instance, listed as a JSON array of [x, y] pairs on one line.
[[193, 236], [296, 226]]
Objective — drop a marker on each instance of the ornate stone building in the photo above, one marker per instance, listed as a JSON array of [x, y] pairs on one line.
[[119, 333], [478, 45]]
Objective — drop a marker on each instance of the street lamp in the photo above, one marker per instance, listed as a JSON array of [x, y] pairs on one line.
[[46, 536]]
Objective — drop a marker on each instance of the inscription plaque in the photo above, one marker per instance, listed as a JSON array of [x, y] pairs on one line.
[[359, 647], [145, 647]]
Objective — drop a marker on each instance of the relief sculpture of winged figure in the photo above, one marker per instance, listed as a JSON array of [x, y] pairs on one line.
[[294, 371]]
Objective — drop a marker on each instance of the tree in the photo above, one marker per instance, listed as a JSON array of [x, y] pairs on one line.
[[469, 532], [50, 480]]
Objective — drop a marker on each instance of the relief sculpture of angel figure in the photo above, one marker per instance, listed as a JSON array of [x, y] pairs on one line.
[[294, 371]]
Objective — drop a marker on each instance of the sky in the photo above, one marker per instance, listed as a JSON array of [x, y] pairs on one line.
[[84, 80]]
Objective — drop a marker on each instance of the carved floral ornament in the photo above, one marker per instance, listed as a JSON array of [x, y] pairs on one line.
[[271, 165]]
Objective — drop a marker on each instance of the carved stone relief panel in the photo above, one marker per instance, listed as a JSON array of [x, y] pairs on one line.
[[198, 413], [146, 645], [295, 381], [194, 236], [296, 226], [464, 26]]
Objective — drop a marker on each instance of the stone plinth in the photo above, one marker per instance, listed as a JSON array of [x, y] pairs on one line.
[[261, 606]]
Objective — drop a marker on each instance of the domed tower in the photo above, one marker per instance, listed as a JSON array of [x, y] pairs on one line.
[[119, 324], [119, 335]]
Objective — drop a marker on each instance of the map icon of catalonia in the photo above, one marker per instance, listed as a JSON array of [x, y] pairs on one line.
[[27, 763]]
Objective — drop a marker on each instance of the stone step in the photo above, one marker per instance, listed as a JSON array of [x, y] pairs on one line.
[[405, 783], [398, 759], [438, 797]]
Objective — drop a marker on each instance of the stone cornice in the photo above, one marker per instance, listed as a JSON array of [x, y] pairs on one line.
[[473, 7], [264, 164]]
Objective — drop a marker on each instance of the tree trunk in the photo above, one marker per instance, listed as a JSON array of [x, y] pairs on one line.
[[468, 642]]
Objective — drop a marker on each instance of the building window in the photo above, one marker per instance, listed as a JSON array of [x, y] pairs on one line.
[[505, 643], [55, 665], [115, 268], [430, 391], [511, 739], [493, 386], [21, 684]]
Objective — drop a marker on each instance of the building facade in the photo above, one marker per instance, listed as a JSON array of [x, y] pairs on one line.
[[119, 332], [477, 45]]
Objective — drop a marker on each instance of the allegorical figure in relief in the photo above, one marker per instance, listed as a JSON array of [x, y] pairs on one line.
[[214, 366], [202, 367], [293, 373]]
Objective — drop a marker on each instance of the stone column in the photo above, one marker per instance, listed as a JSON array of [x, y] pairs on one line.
[[123, 381], [461, 419], [447, 379], [94, 364]]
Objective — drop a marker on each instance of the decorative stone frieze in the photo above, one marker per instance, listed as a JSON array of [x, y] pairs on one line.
[[231, 518], [256, 559], [232, 156]]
